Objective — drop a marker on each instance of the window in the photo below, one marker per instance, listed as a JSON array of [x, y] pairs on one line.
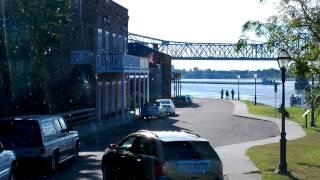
[[48, 128], [126, 144], [58, 126], [22, 133], [144, 146], [188, 150], [63, 124]]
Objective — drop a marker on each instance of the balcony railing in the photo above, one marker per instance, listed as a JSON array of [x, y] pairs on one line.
[[122, 63]]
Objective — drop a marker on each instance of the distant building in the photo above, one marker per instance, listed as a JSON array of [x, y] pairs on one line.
[[160, 70]]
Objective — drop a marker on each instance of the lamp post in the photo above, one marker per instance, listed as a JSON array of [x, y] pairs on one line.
[[312, 104], [255, 89], [283, 61], [238, 76]]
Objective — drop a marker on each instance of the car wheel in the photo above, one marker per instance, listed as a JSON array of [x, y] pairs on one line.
[[53, 163], [76, 152], [13, 172], [106, 173]]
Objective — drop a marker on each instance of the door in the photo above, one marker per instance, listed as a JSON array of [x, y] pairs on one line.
[[4, 164], [60, 139], [69, 138], [124, 159], [142, 158]]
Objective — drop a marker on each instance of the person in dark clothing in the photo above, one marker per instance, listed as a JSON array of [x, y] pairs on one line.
[[222, 92], [232, 94], [227, 94]]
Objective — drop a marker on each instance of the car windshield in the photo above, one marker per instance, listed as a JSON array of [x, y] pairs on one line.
[[188, 150], [20, 133]]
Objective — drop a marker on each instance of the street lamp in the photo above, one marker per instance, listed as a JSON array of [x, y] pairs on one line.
[[312, 104], [283, 61], [238, 76], [255, 88]]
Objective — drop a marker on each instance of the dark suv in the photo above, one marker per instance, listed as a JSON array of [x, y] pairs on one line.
[[158, 155], [39, 139], [181, 101]]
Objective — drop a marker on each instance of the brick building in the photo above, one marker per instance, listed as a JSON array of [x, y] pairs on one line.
[[160, 70], [121, 79], [88, 67]]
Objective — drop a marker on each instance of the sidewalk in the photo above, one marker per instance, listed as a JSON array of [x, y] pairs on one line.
[[238, 166]]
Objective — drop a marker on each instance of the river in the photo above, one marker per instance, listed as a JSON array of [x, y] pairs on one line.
[[265, 93]]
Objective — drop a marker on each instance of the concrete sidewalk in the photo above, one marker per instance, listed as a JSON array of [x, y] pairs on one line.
[[238, 166]]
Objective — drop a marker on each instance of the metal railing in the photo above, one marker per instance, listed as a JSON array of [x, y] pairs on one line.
[[123, 62], [79, 116]]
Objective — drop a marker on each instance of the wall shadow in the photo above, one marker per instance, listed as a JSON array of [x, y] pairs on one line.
[[193, 105]]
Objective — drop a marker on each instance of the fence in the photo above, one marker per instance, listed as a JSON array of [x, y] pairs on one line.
[[79, 116]]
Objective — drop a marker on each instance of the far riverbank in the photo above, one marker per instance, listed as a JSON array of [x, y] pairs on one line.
[[265, 93]]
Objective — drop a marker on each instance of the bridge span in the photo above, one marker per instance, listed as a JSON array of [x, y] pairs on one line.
[[206, 51]]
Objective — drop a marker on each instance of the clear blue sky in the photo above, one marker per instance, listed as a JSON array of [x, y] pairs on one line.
[[199, 21]]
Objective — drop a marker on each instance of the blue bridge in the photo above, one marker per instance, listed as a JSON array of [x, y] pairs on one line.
[[206, 51]]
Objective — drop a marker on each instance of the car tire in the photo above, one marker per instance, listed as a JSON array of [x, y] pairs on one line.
[[106, 173], [53, 163], [76, 152], [13, 172]]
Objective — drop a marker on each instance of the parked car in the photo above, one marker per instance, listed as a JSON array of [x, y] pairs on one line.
[[150, 110], [155, 155], [181, 100], [189, 98], [168, 106], [8, 164], [39, 139]]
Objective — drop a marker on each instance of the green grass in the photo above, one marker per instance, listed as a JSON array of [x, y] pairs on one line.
[[303, 154]]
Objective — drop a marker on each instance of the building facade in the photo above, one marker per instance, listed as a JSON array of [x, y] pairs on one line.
[[87, 66], [121, 79], [160, 70]]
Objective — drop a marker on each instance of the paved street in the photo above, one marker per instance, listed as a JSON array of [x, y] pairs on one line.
[[212, 119]]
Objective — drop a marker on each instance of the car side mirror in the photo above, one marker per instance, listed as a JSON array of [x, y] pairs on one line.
[[113, 146]]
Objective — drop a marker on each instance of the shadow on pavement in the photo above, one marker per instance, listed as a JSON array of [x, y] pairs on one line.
[[86, 167], [99, 141], [193, 105]]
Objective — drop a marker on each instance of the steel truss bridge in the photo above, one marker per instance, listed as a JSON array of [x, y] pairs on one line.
[[206, 51]]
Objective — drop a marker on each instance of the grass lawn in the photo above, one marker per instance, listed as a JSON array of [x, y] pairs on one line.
[[303, 154]]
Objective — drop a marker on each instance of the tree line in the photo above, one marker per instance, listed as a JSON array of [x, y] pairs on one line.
[[197, 73]]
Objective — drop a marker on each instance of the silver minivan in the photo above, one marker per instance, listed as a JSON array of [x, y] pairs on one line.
[[8, 164], [39, 140]]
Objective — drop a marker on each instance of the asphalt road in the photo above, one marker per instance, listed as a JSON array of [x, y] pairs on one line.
[[212, 119]]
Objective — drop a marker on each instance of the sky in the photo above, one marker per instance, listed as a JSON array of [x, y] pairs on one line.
[[199, 21]]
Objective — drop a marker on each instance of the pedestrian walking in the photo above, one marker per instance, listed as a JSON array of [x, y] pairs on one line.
[[227, 94], [222, 92], [232, 94]]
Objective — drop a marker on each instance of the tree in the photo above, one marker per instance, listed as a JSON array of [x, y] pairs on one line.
[[296, 28], [35, 29]]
